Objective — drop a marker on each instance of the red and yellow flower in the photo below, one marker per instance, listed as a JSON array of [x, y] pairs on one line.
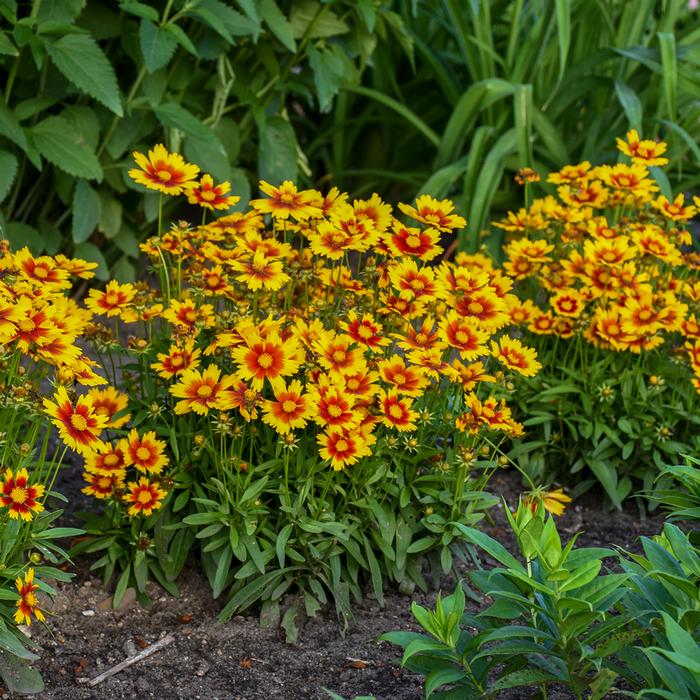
[[163, 171], [79, 425], [19, 496], [28, 603], [144, 496]]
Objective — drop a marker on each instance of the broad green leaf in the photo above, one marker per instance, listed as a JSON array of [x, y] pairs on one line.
[[279, 25], [140, 9], [8, 171], [325, 24], [277, 156], [17, 675], [331, 68], [61, 145], [59, 11], [10, 127], [182, 38], [20, 234], [83, 62], [7, 48], [157, 45], [110, 220], [86, 212], [226, 21]]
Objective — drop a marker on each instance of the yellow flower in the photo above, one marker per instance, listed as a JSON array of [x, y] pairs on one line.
[[554, 501], [162, 171]]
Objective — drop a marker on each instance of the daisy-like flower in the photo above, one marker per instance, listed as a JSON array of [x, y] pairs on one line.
[[113, 301], [145, 496], [202, 391], [330, 405], [470, 375], [76, 266], [516, 356], [145, 452], [79, 425], [12, 311], [42, 270], [644, 151], [568, 302], [405, 379], [396, 412], [413, 282], [337, 354], [376, 210], [245, 399], [268, 358], [108, 461], [365, 330], [108, 402], [261, 272], [289, 410], [188, 314], [343, 447], [211, 196], [285, 201], [404, 240], [19, 496], [162, 171], [27, 604], [464, 335], [102, 485], [177, 359], [434, 213], [554, 501], [677, 210]]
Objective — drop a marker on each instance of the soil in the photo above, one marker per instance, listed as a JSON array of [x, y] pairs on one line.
[[239, 660]]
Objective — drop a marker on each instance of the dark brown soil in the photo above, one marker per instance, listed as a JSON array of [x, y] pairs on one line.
[[241, 660]]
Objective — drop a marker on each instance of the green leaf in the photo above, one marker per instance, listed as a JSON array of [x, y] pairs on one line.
[[182, 38], [157, 45], [83, 62], [61, 145], [528, 676], [279, 25], [91, 253], [325, 24], [7, 48], [10, 127], [277, 156], [8, 170], [140, 10], [490, 546], [18, 676], [86, 212], [667, 42], [522, 109], [330, 67], [20, 234], [630, 103], [63, 11]]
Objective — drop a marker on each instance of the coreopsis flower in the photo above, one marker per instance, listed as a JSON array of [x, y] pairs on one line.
[[12, 312], [35, 327], [469, 376], [330, 405], [628, 178], [424, 336], [188, 314], [489, 413], [396, 412], [268, 358], [79, 425], [434, 213], [41, 271], [245, 399], [343, 447], [211, 196], [202, 391], [115, 299], [108, 461], [261, 272], [526, 176], [571, 174], [102, 486], [27, 604], [413, 282], [554, 501], [162, 171], [144, 496], [19, 496], [289, 410], [407, 380], [337, 354], [568, 302], [677, 210], [178, 358], [584, 194], [422, 244], [362, 384], [533, 251], [285, 201], [144, 452], [484, 307], [514, 355], [644, 152], [109, 402], [366, 330], [376, 210], [76, 266], [465, 335]]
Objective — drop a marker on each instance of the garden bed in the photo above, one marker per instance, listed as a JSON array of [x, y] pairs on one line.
[[240, 659]]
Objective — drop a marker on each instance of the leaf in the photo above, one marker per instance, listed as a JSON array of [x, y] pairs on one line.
[[20, 234], [490, 546], [18, 676], [528, 676], [157, 45], [61, 145], [91, 253], [277, 156], [86, 212], [140, 10], [279, 25], [8, 170], [305, 12], [630, 103], [10, 127], [667, 43], [7, 48], [85, 65], [330, 69]]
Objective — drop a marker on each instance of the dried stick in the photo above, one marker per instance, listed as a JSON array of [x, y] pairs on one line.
[[156, 646]]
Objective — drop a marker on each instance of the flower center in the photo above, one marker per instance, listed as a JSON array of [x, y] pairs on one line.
[[190, 316], [644, 315], [41, 271], [143, 453], [421, 338], [78, 422], [177, 361], [27, 325], [461, 337], [352, 384], [112, 298], [365, 332], [395, 411], [417, 284], [287, 198], [208, 195], [339, 355], [334, 410], [613, 329], [111, 460], [265, 360], [19, 495], [413, 241], [289, 406], [164, 175], [399, 379], [249, 395], [341, 446], [204, 391], [475, 307], [145, 497]]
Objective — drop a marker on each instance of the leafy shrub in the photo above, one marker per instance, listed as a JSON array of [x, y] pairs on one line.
[[87, 82], [609, 297], [495, 86]]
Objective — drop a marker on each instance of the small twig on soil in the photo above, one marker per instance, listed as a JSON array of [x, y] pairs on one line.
[[129, 661]]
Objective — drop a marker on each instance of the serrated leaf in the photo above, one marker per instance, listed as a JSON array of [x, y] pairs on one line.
[[8, 171], [86, 212], [61, 145], [83, 62], [7, 48], [279, 25], [11, 129], [140, 10], [157, 45], [182, 38], [277, 156], [304, 13]]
